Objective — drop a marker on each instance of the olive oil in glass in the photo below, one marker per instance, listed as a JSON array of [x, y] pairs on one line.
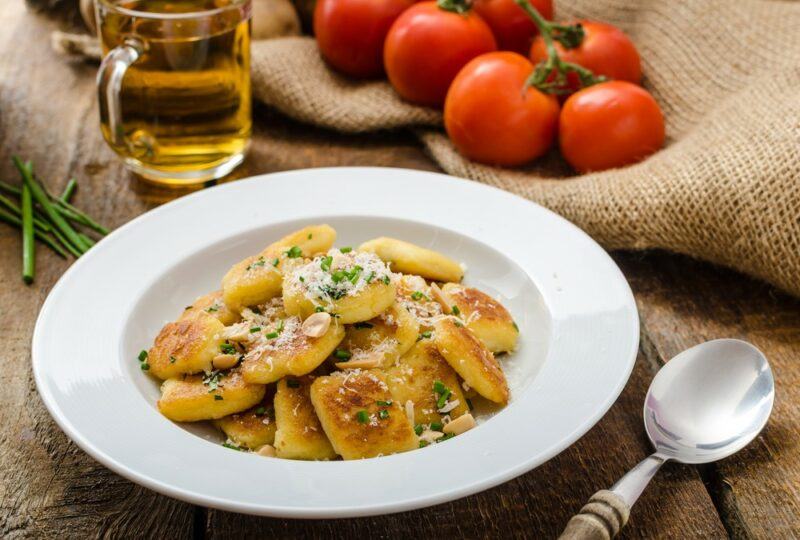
[[175, 86]]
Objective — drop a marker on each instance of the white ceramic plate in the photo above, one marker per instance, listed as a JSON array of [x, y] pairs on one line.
[[578, 322]]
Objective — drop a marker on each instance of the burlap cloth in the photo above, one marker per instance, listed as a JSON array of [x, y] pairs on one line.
[[725, 189]]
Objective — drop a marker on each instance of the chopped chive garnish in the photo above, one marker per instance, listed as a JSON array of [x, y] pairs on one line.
[[342, 354], [437, 426], [226, 444], [354, 274], [294, 252], [384, 403], [417, 295], [261, 411], [346, 249], [319, 309], [370, 276], [272, 335], [418, 429], [362, 417], [338, 276], [259, 262], [280, 325], [383, 414], [363, 325], [442, 393], [172, 359], [439, 387], [326, 262], [227, 348], [275, 261], [217, 397], [212, 309], [145, 366], [424, 335], [423, 444], [302, 279], [292, 383], [445, 437], [459, 324], [255, 329], [455, 310], [386, 280], [142, 355]]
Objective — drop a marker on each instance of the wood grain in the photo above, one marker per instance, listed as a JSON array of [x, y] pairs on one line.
[[48, 487]]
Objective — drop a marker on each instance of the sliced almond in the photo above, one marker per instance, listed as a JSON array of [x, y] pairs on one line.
[[463, 423], [237, 332], [410, 411], [439, 295], [368, 362], [317, 324], [225, 361], [267, 451]]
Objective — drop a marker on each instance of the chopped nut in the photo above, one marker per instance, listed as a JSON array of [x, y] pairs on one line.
[[442, 298], [410, 411], [463, 423], [368, 362], [225, 361], [237, 332], [317, 324], [267, 450]]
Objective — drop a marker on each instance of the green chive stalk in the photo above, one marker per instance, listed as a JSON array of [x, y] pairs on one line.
[[28, 249], [75, 215], [26, 170], [15, 221], [69, 190]]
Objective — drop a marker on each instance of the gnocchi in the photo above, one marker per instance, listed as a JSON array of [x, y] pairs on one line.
[[312, 352]]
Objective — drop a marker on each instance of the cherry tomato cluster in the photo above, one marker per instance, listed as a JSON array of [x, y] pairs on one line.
[[509, 79]]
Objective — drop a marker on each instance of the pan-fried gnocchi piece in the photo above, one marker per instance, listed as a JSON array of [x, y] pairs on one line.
[[258, 278], [186, 346], [208, 397], [379, 342], [252, 428], [485, 316], [409, 258], [350, 285], [415, 295], [299, 434], [359, 415], [213, 305], [415, 379], [282, 348], [468, 356]]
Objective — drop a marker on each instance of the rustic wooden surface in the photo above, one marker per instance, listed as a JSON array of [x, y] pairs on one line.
[[49, 488]]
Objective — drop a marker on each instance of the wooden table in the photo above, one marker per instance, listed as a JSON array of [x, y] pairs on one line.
[[49, 487]]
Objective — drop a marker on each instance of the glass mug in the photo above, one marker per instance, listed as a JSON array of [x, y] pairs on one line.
[[174, 86]]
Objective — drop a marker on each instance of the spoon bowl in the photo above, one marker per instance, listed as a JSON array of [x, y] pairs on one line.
[[709, 401]]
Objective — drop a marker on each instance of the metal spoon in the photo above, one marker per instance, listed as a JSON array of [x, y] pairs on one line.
[[705, 404]]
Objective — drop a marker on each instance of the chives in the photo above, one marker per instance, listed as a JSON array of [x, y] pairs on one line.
[[342, 354], [362, 417], [69, 190]]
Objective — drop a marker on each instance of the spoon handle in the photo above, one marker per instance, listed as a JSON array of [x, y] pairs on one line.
[[607, 511]]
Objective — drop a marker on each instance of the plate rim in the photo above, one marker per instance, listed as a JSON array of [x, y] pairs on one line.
[[379, 508]]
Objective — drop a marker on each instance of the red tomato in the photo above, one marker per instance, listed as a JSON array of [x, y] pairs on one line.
[[350, 33], [605, 50], [492, 118], [427, 46], [512, 27], [611, 124]]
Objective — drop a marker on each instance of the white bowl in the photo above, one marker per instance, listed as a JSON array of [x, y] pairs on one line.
[[577, 318]]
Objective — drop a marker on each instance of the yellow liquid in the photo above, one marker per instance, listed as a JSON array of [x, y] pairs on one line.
[[186, 105]]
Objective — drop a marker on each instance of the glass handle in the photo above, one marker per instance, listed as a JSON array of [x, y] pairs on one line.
[[109, 85]]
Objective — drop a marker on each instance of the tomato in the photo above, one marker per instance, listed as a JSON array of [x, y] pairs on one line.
[[605, 50], [611, 124], [512, 27], [492, 118], [427, 46], [350, 33]]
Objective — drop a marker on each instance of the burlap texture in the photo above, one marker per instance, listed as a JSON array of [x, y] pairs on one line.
[[725, 189]]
